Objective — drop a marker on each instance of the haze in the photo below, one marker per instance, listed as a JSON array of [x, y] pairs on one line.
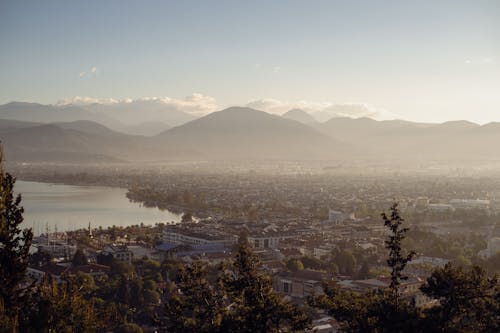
[[425, 61]]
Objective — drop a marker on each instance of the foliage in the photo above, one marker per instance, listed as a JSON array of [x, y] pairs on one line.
[[195, 305], [372, 311], [295, 265], [79, 258], [469, 301], [61, 307], [128, 328], [242, 300], [397, 259], [14, 252], [375, 311]]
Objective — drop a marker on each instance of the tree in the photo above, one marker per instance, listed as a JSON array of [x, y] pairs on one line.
[[380, 310], [79, 258], [255, 307], [240, 300], [61, 307], [14, 251], [128, 328], [345, 261], [295, 265], [187, 217], [195, 305], [469, 300], [397, 258]]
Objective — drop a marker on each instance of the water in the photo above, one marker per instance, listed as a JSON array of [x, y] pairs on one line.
[[73, 207]]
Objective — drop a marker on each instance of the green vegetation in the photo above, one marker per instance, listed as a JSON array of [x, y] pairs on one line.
[[241, 300], [468, 300], [14, 254]]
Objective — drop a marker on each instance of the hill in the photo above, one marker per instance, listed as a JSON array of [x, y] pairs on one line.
[[246, 133]]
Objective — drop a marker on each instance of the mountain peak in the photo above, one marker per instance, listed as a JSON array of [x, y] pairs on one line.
[[300, 116]]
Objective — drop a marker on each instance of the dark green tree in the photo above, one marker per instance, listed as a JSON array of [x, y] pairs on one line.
[[14, 252], [397, 257], [469, 301], [381, 310], [345, 261], [295, 265], [79, 258], [255, 307], [61, 307], [193, 304]]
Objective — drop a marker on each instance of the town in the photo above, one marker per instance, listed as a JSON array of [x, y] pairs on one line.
[[305, 230]]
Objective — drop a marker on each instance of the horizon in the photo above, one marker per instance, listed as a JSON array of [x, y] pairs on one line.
[[422, 62], [197, 115]]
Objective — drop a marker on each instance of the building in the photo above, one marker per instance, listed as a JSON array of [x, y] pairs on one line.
[[470, 204], [441, 208], [300, 284], [196, 236], [119, 253], [336, 217]]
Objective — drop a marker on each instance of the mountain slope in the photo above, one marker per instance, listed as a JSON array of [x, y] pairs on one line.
[[300, 116], [73, 141], [141, 112], [33, 112], [247, 133]]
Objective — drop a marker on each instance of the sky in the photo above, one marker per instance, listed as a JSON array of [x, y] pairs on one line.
[[416, 60]]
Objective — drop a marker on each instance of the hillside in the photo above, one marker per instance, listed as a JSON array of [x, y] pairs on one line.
[[246, 133]]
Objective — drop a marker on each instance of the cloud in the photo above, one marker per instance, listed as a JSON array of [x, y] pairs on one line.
[[89, 73], [200, 104], [480, 61], [322, 111], [195, 103], [354, 110], [79, 100]]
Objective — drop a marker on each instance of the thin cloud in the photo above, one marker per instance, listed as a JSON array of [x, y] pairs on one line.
[[323, 111], [479, 61], [89, 73], [195, 103]]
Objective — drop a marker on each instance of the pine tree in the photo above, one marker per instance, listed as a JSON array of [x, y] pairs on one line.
[[14, 251], [193, 304], [381, 310], [397, 258], [469, 301], [255, 307]]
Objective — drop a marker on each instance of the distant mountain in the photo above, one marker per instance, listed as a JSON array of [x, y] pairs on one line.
[[139, 117], [89, 127], [12, 125], [350, 129], [247, 133], [147, 128], [70, 141], [451, 140], [33, 112], [142, 111], [300, 116]]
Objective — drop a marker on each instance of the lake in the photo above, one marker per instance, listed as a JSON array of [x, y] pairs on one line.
[[73, 207]]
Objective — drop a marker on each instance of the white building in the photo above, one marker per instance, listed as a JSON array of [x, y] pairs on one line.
[[196, 237], [336, 217], [441, 208], [470, 204]]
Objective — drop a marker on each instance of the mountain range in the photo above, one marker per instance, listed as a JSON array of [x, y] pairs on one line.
[[34, 132]]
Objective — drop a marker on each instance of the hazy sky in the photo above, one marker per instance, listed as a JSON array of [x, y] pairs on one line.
[[420, 60]]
